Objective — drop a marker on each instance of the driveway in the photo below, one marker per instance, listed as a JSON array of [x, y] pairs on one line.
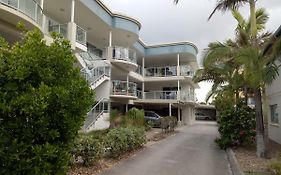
[[192, 151]]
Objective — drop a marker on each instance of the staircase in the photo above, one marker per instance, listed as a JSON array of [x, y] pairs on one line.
[[97, 117]]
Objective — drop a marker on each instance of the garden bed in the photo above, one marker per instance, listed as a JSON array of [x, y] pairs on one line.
[[250, 163]]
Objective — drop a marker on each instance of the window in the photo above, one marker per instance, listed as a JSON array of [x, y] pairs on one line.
[[274, 114]]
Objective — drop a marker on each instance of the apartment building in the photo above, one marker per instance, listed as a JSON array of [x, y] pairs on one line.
[[118, 65], [274, 101]]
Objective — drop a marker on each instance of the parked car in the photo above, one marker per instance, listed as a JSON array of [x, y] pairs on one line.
[[153, 118], [202, 116]]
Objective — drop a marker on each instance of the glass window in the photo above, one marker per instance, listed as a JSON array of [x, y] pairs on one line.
[[274, 114]]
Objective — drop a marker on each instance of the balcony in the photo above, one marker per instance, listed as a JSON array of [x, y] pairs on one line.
[[28, 7], [58, 28], [124, 89], [168, 71], [187, 96], [91, 75], [161, 95], [123, 57], [81, 36], [186, 71]]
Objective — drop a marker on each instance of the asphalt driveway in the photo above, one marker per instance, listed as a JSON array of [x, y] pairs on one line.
[[192, 151]]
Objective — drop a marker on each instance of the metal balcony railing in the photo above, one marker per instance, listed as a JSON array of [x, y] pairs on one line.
[[124, 54], [28, 7], [162, 95], [91, 75], [186, 71], [187, 96], [124, 88]]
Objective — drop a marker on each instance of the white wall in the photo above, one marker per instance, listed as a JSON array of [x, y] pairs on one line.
[[274, 97]]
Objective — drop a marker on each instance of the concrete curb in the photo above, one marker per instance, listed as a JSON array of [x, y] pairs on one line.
[[234, 165]]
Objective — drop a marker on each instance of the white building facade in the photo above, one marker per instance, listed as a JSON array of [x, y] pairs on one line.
[[124, 71]]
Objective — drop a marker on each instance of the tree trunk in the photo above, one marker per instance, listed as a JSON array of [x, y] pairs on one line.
[[253, 19], [265, 116], [259, 124], [246, 94]]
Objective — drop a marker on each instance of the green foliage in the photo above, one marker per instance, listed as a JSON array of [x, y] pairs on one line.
[[236, 126], [43, 101], [275, 166], [120, 140], [88, 149], [224, 101], [134, 117], [168, 123]]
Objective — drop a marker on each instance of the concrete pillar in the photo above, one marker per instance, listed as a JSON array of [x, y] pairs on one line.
[[142, 90], [143, 64], [126, 108], [72, 11], [179, 114], [110, 39], [128, 84], [44, 20], [178, 65], [178, 93], [170, 109]]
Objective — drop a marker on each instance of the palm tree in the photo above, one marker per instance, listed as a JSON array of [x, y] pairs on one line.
[[253, 68], [226, 5]]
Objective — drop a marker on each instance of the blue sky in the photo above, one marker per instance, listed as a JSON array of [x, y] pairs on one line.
[[162, 21]]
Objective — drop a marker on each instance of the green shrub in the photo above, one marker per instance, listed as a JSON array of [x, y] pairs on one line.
[[168, 123], [134, 117], [88, 149], [43, 101], [236, 126], [121, 140]]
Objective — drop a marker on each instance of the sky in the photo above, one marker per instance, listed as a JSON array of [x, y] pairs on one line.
[[164, 22]]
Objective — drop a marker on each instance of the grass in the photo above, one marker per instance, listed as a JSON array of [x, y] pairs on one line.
[[257, 173]]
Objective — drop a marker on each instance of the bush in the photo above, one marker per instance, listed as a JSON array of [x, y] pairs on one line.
[[236, 126], [43, 101], [121, 140], [134, 117], [88, 149], [168, 123]]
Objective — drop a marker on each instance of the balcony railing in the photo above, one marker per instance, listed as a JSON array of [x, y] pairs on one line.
[[186, 71], [59, 28], [81, 36], [124, 88], [161, 71], [139, 70], [124, 54], [28, 7], [163, 95], [187, 96], [95, 73]]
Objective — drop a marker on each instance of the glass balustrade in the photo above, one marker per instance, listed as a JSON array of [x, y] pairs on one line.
[[124, 88], [30, 8], [125, 54], [164, 95], [186, 70], [59, 28], [187, 96], [92, 75], [139, 70], [161, 71], [81, 36]]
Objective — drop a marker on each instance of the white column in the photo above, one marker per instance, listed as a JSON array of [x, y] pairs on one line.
[[178, 65], [72, 11], [142, 90], [43, 18], [179, 114], [143, 63], [178, 93], [110, 38], [126, 107], [170, 109], [127, 84]]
